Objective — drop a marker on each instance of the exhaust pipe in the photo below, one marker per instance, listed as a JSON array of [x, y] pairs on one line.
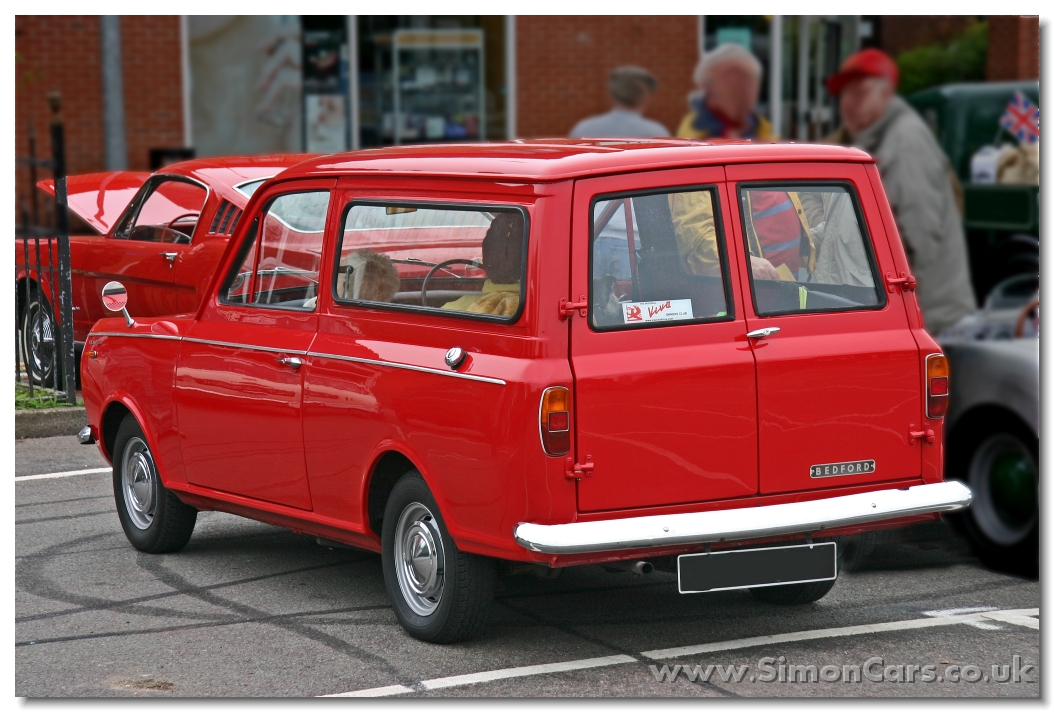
[[637, 568]]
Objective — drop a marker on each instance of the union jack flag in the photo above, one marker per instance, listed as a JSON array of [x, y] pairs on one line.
[[1021, 118]]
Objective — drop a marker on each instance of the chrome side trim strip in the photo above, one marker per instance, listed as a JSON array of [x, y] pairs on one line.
[[408, 367], [743, 523], [164, 337], [251, 347], [353, 359]]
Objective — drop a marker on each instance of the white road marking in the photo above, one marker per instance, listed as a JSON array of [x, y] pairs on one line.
[[71, 473], [1016, 618], [962, 611], [865, 629], [473, 678], [1020, 616], [376, 692]]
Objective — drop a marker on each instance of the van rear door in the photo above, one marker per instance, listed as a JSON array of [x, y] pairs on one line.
[[664, 398], [838, 377]]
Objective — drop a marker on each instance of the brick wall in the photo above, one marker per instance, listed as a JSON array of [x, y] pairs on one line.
[[1013, 47], [63, 53], [563, 64], [153, 85], [60, 53]]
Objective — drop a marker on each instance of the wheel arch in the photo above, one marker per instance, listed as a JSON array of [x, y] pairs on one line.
[[985, 417], [388, 465], [113, 413]]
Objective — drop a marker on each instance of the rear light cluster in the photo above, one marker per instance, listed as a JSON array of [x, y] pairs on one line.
[[554, 421], [936, 386]]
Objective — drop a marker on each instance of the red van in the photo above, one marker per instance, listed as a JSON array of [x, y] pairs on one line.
[[704, 357]]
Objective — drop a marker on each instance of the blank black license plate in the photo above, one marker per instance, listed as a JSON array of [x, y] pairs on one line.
[[747, 568]]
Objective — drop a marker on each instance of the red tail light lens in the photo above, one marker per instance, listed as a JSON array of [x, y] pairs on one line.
[[936, 386], [554, 422]]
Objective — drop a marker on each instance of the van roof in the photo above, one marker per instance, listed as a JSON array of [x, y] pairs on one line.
[[560, 159]]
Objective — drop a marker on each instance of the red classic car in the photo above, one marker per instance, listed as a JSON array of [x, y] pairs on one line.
[[162, 234], [705, 358]]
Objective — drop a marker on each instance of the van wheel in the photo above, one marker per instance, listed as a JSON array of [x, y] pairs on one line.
[[794, 594], [998, 461], [38, 342], [439, 594], [153, 518]]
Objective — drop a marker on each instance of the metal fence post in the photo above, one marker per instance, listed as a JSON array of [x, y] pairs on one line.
[[68, 356]]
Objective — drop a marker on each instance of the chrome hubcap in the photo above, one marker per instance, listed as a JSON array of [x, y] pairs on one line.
[[139, 483], [41, 340], [419, 559], [1003, 477]]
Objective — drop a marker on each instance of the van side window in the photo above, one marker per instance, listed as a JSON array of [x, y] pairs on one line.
[[463, 261], [808, 250], [279, 262], [657, 259]]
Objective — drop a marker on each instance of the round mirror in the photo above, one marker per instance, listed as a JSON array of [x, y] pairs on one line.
[[114, 296]]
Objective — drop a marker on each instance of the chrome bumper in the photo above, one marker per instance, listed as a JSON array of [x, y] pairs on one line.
[[740, 524]]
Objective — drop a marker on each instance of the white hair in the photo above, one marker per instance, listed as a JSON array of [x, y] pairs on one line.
[[728, 52]]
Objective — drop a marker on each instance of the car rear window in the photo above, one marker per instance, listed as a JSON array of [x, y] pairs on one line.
[[457, 260], [808, 249], [657, 259]]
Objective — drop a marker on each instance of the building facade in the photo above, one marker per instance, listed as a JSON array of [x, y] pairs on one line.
[[215, 85]]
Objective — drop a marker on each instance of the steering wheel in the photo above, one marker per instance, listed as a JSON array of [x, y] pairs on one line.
[[441, 265], [1019, 325], [176, 219]]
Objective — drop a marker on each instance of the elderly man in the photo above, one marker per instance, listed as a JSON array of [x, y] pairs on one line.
[[918, 181], [631, 89], [723, 106]]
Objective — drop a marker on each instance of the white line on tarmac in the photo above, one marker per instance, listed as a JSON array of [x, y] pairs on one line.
[[1020, 617], [477, 677], [961, 611], [865, 629], [71, 473]]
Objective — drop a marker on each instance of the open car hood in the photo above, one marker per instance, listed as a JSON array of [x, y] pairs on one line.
[[99, 198]]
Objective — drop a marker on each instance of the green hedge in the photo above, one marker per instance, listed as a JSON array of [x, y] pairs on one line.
[[962, 60]]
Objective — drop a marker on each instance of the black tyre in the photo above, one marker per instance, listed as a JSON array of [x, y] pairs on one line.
[[853, 551], [794, 594], [153, 519], [998, 459], [37, 332], [439, 594]]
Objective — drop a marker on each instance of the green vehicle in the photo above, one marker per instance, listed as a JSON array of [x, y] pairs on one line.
[[1001, 221]]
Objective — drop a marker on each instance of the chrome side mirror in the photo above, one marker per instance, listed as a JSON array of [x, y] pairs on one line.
[[115, 299]]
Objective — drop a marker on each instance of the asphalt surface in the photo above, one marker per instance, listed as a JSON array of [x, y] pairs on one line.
[[247, 609]]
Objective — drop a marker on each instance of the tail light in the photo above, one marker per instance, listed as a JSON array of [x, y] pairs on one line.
[[554, 421], [936, 386]]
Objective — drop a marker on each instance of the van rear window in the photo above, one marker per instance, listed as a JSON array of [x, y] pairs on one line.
[[657, 259], [808, 250]]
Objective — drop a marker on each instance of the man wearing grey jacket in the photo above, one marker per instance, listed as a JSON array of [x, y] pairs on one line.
[[918, 181]]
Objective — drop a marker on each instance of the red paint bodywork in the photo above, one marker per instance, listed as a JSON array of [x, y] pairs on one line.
[[155, 287], [718, 421]]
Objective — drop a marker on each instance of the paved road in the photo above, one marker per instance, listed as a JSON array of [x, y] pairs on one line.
[[247, 609]]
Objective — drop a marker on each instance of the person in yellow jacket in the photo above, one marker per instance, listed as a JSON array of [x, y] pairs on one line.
[[503, 263], [774, 234], [724, 105]]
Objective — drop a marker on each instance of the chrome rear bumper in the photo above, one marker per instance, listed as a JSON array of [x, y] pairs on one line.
[[741, 524]]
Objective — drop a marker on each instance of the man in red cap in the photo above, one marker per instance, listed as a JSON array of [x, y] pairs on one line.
[[918, 179]]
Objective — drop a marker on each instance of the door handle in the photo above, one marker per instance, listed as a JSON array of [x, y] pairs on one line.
[[292, 361], [762, 333], [171, 257]]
